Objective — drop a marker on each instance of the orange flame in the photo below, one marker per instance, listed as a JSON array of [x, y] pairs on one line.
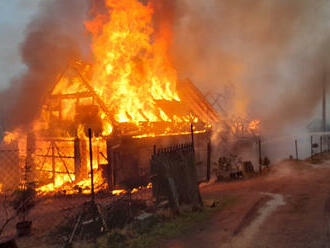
[[131, 70], [254, 125], [10, 137]]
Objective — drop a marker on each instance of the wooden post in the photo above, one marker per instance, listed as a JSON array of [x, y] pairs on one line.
[[321, 144], [192, 136], [296, 145], [260, 158], [53, 161], [208, 171], [83, 158], [80, 159], [311, 146], [77, 160], [173, 196], [30, 149], [324, 104], [91, 162], [112, 161]]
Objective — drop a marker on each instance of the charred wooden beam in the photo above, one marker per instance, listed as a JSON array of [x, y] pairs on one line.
[[80, 159], [63, 161], [111, 165], [51, 156], [56, 172], [199, 104], [114, 160], [91, 163]]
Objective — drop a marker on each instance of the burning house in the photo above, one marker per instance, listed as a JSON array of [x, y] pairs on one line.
[[131, 98]]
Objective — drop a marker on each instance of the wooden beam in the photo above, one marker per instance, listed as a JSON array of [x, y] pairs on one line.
[[72, 96], [105, 109]]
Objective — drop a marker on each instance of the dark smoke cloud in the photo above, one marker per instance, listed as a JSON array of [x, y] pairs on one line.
[[273, 51], [54, 36]]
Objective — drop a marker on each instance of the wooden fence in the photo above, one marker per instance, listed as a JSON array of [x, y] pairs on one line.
[[174, 176]]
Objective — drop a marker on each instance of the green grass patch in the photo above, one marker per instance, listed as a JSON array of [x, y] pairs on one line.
[[163, 229]]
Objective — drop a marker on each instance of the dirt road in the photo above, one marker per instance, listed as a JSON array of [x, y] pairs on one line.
[[290, 207]]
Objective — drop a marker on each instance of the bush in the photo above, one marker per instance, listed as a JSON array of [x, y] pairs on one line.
[[23, 200]]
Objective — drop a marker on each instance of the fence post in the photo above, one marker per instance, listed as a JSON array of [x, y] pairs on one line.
[[53, 162], [209, 151], [296, 145], [311, 146], [91, 163], [77, 160]]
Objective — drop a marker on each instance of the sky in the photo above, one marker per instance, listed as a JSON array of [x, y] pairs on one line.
[[14, 16]]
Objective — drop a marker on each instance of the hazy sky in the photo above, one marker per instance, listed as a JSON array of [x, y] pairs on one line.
[[14, 16]]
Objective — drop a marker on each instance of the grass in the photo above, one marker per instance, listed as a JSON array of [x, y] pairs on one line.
[[164, 229]]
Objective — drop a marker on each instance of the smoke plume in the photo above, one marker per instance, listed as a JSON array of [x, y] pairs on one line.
[[53, 37], [274, 53]]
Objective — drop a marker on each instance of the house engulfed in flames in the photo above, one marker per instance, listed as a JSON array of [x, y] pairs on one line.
[[58, 150], [130, 97]]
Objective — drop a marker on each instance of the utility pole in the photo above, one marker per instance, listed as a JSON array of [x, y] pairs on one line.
[[324, 104]]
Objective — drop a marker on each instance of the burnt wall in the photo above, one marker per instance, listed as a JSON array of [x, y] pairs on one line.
[[130, 158]]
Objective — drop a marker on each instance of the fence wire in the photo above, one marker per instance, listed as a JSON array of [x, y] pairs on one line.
[[59, 216], [54, 214], [299, 146]]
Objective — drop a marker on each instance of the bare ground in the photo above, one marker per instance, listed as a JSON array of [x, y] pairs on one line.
[[289, 207]]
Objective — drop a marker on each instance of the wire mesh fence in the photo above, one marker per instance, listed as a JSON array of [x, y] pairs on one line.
[[54, 217], [63, 208], [59, 198]]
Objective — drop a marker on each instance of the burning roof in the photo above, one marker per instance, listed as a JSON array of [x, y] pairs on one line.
[[73, 99], [131, 87]]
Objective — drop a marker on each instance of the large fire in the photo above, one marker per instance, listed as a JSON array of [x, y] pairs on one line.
[[136, 68], [130, 79]]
